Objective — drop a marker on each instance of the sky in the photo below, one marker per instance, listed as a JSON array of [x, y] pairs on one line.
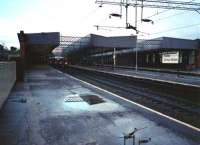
[[78, 17]]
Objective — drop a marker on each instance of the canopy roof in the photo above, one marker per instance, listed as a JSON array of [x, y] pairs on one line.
[[92, 41], [40, 43]]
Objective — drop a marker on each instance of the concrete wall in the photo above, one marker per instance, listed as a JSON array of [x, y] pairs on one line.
[[7, 79]]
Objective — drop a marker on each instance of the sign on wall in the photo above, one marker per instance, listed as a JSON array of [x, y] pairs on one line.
[[170, 57]]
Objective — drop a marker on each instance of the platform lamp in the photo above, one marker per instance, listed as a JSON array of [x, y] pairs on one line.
[[115, 15], [147, 20]]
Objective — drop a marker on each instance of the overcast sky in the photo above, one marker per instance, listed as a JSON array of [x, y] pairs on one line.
[[78, 17]]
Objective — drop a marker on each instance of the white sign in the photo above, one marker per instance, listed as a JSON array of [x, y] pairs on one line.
[[170, 57]]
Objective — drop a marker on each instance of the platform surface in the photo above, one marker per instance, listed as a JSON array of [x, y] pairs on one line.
[[51, 108], [163, 76]]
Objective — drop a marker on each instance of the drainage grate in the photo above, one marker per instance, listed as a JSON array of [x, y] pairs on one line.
[[92, 99], [73, 98], [20, 100], [91, 143]]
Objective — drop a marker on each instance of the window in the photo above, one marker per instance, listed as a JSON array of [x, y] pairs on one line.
[[192, 57], [160, 57], [147, 58], [154, 58], [180, 57]]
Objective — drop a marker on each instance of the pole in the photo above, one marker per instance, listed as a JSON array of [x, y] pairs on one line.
[[102, 57], [136, 15], [136, 51], [142, 11], [126, 13], [136, 58], [114, 58], [121, 8], [133, 139]]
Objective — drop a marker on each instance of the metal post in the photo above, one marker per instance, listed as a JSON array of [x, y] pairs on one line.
[[136, 15], [114, 58], [102, 58], [126, 13], [133, 139], [136, 58], [121, 8], [178, 65], [142, 10], [136, 52]]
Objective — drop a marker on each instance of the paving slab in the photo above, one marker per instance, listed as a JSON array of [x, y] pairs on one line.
[[48, 118]]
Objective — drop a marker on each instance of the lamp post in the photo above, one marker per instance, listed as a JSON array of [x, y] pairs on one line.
[[136, 54], [136, 58], [114, 58]]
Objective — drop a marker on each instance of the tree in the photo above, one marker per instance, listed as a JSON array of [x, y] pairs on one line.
[[1, 47], [13, 49]]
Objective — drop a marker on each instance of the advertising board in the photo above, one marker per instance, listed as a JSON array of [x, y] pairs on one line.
[[170, 57]]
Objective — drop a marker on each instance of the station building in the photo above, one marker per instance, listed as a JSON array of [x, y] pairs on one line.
[[153, 52], [163, 52]]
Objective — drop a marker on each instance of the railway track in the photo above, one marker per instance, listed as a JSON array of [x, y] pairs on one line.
[[167, 104]]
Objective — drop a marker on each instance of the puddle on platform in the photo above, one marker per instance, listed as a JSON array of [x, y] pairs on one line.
[[74, 101], [92, 99], [82, 101], [77, 105]]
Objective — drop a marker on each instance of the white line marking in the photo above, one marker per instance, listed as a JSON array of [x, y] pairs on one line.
[[144, 107]]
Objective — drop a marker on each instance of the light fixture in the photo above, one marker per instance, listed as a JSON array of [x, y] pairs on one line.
[[129, 26], [97, 27], [115, 15], [147, 20]]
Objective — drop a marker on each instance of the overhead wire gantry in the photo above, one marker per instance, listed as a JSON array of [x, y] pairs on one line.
[[164, 4], [161, 4]]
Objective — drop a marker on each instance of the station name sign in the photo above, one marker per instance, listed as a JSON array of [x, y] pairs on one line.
[[170, 57]]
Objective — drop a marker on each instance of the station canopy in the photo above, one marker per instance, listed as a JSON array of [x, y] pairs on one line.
[[166, 43], [74, 44], [42, 43]]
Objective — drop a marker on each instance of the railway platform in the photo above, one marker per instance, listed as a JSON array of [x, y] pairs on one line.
[[190, 80], [53, 108]]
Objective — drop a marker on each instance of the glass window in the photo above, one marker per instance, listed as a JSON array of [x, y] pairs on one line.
[[154, 58], [180, 57], [147, 58], [192, 57]]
